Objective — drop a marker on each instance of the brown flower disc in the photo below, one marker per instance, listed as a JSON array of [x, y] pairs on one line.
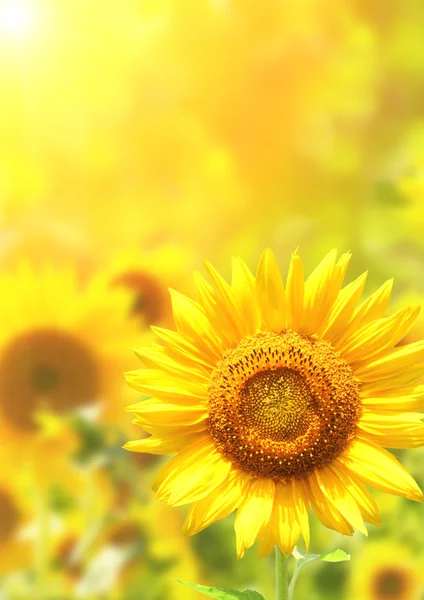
[[282, 404], [149, 298], [9, 516], [46, 369], [392, 583]]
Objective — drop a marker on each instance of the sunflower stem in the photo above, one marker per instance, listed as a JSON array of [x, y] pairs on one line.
[[281, 575]]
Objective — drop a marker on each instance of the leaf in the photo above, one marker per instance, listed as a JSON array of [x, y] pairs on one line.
[[220, 594], [336, 556], [303, 559]]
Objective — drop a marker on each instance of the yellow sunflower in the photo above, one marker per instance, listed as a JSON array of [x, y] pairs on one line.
[[388, 571], [145, 275], [15, 515], [141, 540], [279, 399], [62, 348]]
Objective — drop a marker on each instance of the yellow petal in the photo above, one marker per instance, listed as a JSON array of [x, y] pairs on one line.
[[396, 402], [325, 510], [404, 430], [285, 523], [244, 290], [340, 497], [266, 540], [227, 302], [270, 292], [343, 308], [395, 362], [192, 322], [157, 383], [177, 345], [376, 337], [162, 445], [366, 503], [164, 413], [371, 309], [397, 383], [301, 505], [219, 504], [295, 293], [321, 290], [192, 474], [220, 319], [253, 513], [156, 358], [380, 469]]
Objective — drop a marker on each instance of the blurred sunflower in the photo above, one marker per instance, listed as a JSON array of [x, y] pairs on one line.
[[104, 546], [62, 349], [276, 400], [15, 549], [388, 571], [145, 276], [156, 552]]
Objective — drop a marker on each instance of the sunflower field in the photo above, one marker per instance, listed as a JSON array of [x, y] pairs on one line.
[[211, 272]]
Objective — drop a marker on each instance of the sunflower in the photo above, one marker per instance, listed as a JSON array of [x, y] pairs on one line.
[[145, 276], [389, 571], [100, 524], [277, 400], [62, 349], [15, 549]]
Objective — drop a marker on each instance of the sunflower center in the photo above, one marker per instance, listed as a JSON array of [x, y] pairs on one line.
[[281, 405], [391, 584], [46, 369], [9, 516], [45, 378], [277, 404]]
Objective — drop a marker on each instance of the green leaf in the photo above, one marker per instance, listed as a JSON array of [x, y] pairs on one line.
[[220, 594], [336, 556]]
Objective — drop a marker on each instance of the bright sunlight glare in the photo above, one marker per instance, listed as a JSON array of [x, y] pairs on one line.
[[16, 18]]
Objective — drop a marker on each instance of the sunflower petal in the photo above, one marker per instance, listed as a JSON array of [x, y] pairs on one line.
[[295, 293], [325, 510], [192, 474], [395, 402], [227, 302], [244, 290], [253, 513], [162, 445], [164, 413], [376, 337], [178, 346], [301, 504], [374, 307], [285, 524], [156, 358], [339, 496], [270, 292], [266, 540], [165, 387], [405, 430], [343, 308], [222, 502], [366, 503], [392, 364], [321, 290], [192, 322], [380, 469]]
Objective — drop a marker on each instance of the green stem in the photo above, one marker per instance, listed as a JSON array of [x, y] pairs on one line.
[[281, 575], [293, 583]]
